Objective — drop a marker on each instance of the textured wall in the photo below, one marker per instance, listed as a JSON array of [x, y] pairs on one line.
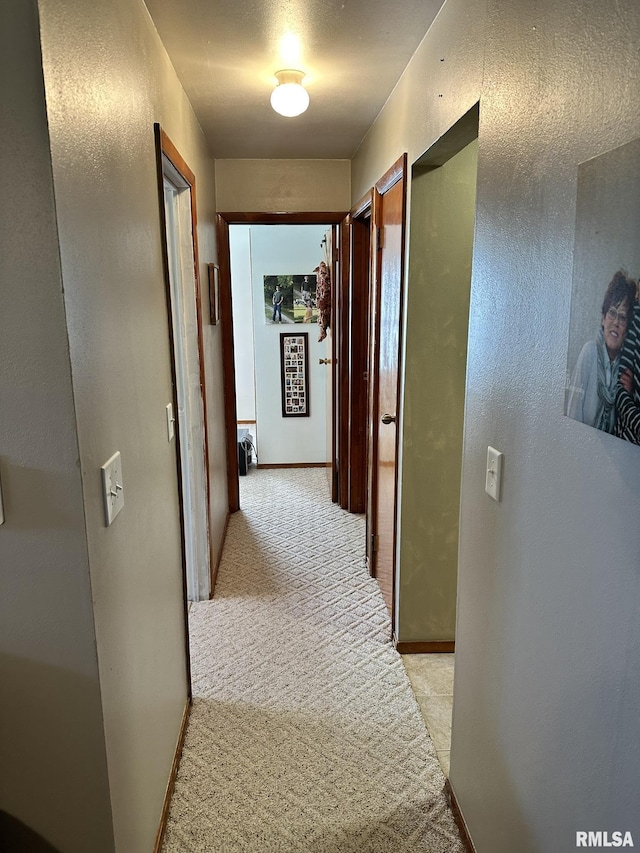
[[107, 81], [52, 752], [437, 308], [547, 668], [289, 186]]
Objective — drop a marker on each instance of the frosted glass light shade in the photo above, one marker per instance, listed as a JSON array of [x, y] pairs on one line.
[[289, 98]]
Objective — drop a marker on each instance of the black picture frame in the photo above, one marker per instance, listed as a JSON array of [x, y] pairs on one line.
[[294, 374]]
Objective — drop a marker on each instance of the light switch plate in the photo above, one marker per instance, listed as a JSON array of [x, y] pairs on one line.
[[112, 488], [170, 421], [494, 473]]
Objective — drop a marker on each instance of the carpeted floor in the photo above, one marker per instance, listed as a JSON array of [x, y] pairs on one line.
[[305, 736]]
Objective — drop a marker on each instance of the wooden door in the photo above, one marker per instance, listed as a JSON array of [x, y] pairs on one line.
[[357, 351], [390, 204]]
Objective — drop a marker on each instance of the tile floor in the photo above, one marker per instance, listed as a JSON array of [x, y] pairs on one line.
[[431, 678]]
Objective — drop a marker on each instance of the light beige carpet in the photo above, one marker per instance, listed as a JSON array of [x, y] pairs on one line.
[[305, 736]]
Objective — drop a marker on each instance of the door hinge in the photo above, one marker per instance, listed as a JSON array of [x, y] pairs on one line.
[[374, 543], [380, 237], [335, 255]]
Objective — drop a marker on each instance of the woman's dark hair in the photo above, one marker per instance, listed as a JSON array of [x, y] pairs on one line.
[[621, 289]]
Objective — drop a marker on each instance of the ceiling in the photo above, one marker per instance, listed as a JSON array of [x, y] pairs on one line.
[[352, 52]]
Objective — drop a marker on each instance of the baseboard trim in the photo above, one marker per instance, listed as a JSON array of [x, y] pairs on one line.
[[214, 568], [172, 778], [298, 465], [458, 817], [427, 647]]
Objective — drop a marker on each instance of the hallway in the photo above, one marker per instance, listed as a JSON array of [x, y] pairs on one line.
[[304, 733]]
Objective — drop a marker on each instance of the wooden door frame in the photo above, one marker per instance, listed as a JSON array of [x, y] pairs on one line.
[[398, 171], [223, 221], [361, 237]]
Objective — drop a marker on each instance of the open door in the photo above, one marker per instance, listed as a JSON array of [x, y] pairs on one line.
[[356, 254], [178, 217], [386, 319]]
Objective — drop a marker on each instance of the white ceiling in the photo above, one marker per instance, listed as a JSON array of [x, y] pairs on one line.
[[352, 52]]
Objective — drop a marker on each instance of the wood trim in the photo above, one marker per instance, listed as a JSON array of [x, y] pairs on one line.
[[463, 829], [228, 365], [399, 171], [392, 175], [164, 814], [219, 557], [364, 206], [297, 465], [312, 218], [372, 408], [360, 242], [426, 647]]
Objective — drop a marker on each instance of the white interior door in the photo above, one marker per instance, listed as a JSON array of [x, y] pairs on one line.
[[190, 415]]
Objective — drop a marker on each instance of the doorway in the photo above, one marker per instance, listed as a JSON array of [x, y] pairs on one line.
[[228, 310], [443, 189]]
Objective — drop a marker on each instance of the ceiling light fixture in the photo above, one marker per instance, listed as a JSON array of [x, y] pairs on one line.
[[289, 98]]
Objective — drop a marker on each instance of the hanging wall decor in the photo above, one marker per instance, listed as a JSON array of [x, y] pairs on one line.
[[294, 366], [290, 298], [213, 272], [603, 362]]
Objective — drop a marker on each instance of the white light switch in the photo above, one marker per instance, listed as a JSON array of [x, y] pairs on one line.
[[170, 421], [494, 473], [112, 488]]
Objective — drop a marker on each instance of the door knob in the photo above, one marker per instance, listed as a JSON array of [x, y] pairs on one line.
[[388, 419], [325, 361]]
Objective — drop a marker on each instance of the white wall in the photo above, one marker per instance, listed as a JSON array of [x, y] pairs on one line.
[[240, 252], [547, 681], [282, 249]]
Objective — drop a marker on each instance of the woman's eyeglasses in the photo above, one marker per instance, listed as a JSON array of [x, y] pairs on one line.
[[617, 316]]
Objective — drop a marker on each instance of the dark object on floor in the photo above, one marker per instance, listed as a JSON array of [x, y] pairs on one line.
[[16, 837], [245, 444]]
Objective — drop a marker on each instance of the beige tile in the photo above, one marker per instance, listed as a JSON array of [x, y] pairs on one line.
[[443, 758], [431, 675], [436, 712]]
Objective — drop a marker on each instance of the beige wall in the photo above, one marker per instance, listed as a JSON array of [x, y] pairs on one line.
[[283, 186], [53, 775], [107, 81], [547, 629], [437, 309]]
